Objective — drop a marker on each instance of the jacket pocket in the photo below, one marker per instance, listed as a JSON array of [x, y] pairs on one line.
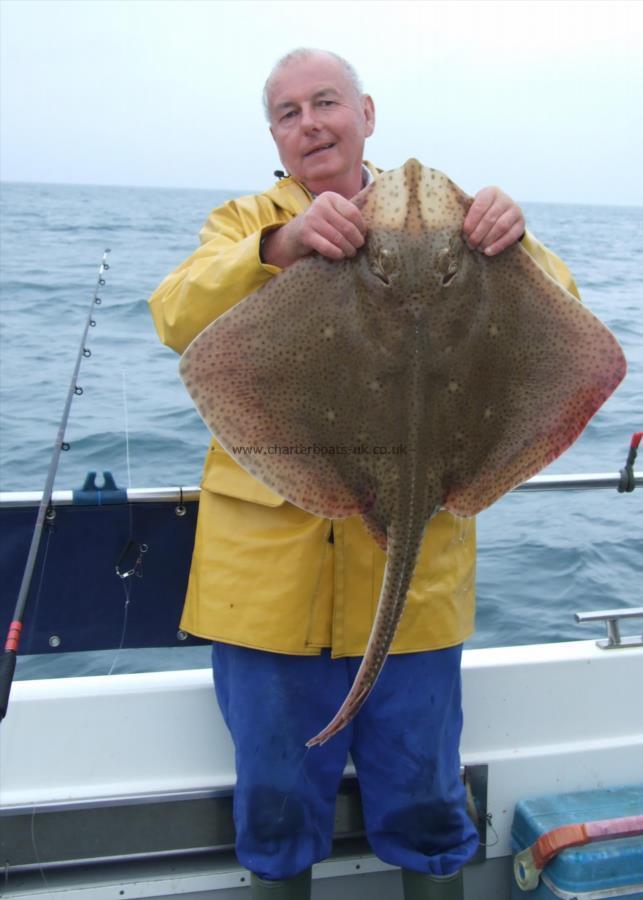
[[222, 475]]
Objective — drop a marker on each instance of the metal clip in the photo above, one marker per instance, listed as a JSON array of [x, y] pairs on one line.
[[612, 618], [180, 510], [127, 554]]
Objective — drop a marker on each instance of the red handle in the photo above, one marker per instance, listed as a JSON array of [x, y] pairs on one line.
[[550, 844]]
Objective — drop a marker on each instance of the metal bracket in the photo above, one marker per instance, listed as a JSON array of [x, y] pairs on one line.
[[612, 618], [475, 779]]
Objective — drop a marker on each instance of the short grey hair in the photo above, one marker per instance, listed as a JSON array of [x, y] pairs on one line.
[[304, 53]]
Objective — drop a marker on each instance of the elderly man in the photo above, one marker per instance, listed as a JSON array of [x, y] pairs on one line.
[[288, 598]]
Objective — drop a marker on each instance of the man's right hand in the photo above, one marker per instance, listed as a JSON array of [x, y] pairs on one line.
[[332, 226]]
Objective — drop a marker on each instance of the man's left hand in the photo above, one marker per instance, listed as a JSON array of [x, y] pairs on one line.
[[493, 223]]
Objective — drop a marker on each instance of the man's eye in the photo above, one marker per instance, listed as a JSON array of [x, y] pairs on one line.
[[326, 103], [289, 115]]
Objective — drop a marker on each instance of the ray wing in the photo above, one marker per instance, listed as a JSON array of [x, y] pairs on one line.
[[289, 373], [533, 367]]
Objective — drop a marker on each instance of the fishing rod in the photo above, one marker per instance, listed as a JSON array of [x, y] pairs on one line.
[[8, 659]]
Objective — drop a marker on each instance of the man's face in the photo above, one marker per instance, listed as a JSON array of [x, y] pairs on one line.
[[319, 123]]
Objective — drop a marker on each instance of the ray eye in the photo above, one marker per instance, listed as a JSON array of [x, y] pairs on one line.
[[384, 264], [381, 275], [448, 277]]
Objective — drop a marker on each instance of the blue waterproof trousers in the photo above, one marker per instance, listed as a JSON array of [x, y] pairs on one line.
[[404, 744]]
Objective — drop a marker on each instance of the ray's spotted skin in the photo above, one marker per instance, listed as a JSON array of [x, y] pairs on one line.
[[417, 375]]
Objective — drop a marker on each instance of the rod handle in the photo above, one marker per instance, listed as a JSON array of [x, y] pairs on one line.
[[7, 668]]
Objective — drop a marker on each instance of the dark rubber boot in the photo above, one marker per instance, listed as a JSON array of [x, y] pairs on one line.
[[418, 886], [297, 888]]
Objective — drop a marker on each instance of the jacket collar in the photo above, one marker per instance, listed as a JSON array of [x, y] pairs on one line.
[[292, 196]]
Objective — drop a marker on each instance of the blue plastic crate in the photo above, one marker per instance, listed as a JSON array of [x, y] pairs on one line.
[[612, 868]]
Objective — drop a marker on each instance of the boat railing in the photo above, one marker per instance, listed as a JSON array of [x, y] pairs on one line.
[[577, 482]]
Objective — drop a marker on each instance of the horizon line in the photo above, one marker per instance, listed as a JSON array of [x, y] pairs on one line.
[[235, 192]]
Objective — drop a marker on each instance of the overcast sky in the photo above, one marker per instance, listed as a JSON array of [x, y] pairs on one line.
[[542, 98]]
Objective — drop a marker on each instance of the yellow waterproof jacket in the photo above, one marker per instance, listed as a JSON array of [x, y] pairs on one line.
[[264, 573]]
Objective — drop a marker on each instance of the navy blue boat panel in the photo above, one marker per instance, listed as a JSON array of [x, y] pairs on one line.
[[77, 600]]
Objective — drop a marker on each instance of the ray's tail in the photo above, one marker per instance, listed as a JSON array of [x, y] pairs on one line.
[[403, 548]]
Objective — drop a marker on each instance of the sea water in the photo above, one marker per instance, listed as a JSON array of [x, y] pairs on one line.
[[542, 556]]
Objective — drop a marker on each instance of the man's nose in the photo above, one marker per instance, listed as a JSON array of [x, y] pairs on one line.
[[309, 117]]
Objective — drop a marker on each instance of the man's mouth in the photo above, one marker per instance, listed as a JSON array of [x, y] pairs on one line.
[[319, 149]]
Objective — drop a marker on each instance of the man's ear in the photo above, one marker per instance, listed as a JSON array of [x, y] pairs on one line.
[[369, 114]]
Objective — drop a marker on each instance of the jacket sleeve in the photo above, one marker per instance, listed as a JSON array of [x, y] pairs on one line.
[[225, 269], [552, 264]]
